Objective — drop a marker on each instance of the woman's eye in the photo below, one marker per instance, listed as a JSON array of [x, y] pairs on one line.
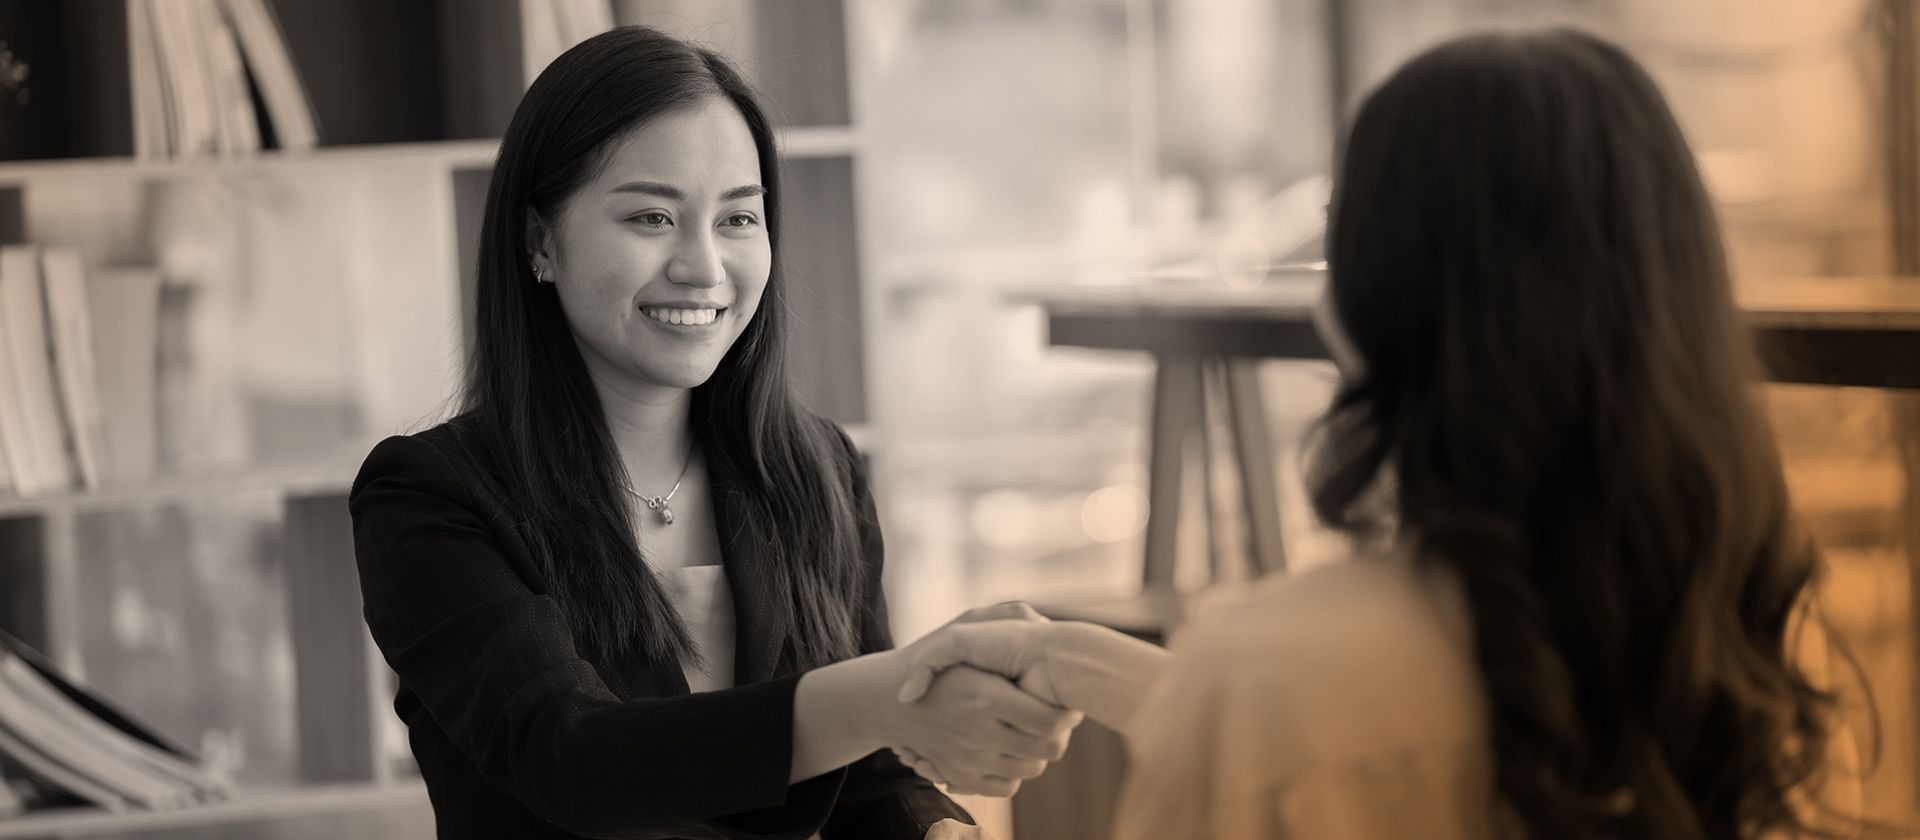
[[741, 220], [652, 219]]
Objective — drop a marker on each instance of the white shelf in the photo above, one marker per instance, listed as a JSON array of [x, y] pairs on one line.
[[247, 807], [333, 476], [452, 154], [291, 480]]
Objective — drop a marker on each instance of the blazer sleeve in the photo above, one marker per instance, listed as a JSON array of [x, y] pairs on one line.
[[494, 665], [882, 799]]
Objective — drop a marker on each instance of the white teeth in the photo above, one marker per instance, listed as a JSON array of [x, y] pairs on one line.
[[682, 317]]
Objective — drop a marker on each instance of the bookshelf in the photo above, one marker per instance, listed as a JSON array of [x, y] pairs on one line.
[[317, 801], [314, 300], [796, 143], [319, 478], [24, 174]]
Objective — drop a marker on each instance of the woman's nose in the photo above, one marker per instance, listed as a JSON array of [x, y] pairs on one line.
[[697, 263]]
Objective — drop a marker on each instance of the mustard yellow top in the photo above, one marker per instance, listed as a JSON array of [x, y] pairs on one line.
[[1339, 702]]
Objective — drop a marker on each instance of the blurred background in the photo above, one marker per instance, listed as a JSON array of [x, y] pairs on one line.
[[275, 272]]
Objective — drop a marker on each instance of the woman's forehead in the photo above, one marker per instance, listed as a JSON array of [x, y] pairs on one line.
[[704, 149]]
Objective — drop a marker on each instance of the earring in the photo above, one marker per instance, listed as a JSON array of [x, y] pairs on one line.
[[538, 277]]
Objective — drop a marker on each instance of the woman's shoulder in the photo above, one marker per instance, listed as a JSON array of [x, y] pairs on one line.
[[1370, 599], [1372, 653], [442, 455]]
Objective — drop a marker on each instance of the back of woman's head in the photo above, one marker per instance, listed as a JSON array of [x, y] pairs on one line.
[[1554, 393]]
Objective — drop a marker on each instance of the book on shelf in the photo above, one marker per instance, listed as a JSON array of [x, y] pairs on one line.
[[56, 783], [152, 120], [188, 77], [185, 781], [41, 731], [77, 372], [239, 120], [209, 78], [289, 113], [33, 435], [70, 328], [196, 68], [70, 744]]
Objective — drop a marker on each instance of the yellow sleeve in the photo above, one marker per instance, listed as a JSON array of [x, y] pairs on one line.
[[1174, 757]]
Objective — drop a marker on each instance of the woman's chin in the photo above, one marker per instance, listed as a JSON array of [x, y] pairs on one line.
[[688, 375]]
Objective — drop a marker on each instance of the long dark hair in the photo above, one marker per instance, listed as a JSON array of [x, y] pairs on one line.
[[783, 472], [1555, 406]]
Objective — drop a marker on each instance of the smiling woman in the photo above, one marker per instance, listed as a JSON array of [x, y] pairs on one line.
[[633, 589], [666, 253]]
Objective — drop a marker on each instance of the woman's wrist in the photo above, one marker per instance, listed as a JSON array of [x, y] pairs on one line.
[[1097, 670], [875, 705], [845, 711]]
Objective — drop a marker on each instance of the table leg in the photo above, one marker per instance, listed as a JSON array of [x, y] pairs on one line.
[[1213, 401], [1177, 396], [1254, 449], [1905, 408]]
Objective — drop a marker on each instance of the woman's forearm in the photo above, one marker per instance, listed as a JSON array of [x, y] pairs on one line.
[[1099, 671], [838, 713]]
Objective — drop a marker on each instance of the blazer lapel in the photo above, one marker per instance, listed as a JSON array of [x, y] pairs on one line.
[[760, 605]]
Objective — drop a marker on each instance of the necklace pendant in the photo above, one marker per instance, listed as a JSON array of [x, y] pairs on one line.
[[659, 503]]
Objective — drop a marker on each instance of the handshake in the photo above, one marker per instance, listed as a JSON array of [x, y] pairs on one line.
[[988, 700]]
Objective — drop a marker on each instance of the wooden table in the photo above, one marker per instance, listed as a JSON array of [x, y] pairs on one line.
[[1819, 331], [1207, 339], [1204, 338]]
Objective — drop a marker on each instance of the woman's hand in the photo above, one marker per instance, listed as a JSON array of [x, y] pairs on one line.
[[1002, 640], [1071, 664], [1003, 611], [978, 733], [951, 829], [1008, 612], [1012, 649], [983, 732]]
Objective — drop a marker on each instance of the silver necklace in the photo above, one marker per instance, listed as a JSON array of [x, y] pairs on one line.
[[659, 503]]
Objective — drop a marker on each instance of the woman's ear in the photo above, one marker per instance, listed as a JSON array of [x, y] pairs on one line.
[[539, 243]]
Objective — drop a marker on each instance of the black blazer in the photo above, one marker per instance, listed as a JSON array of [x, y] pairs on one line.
[[518, 735]]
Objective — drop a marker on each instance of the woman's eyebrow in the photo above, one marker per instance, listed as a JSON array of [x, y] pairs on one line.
[[652, 188], [672, 193]]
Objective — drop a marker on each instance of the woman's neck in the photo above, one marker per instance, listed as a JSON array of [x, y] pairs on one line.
[[652, 431]]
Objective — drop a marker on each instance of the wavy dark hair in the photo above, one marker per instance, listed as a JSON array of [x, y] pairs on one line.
[[529, 396], [1555, 405]]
